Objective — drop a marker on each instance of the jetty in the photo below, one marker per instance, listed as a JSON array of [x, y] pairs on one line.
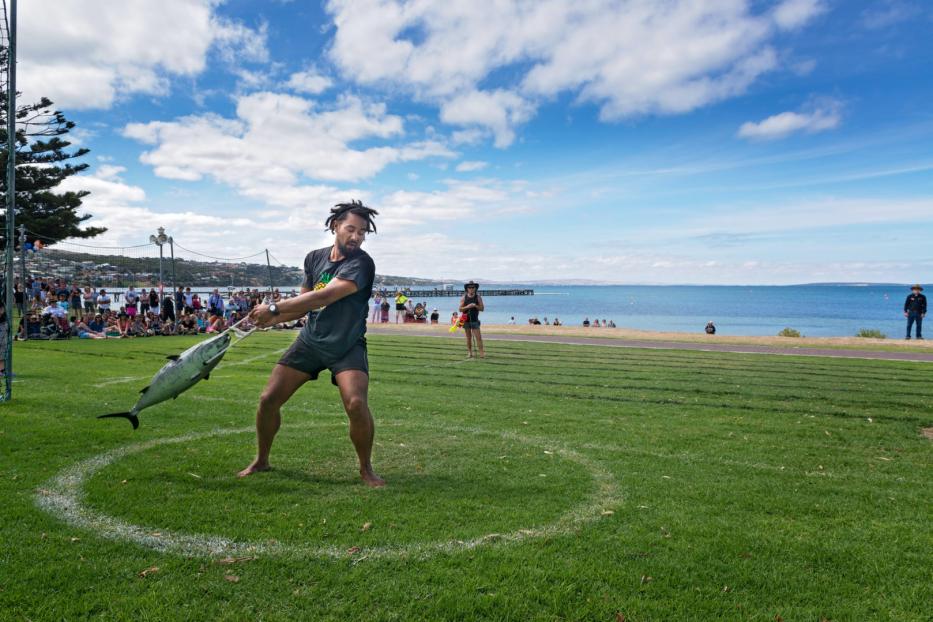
[[416, 294]]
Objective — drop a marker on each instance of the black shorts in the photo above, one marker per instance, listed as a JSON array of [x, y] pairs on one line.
[[399, 307], [471, 325], [307, 359]]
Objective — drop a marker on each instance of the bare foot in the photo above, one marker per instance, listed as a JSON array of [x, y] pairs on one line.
[[371, 479], [254, 467]]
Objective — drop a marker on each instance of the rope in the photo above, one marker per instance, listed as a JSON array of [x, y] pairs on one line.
[[226, 259], [33, 234]]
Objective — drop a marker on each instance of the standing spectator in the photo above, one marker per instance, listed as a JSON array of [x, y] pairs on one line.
[[215, 304], [180, 300], [154, 301], [915, 309], [131, 299], [435, 316], [143, 302], [89, 297], [75, 295], [168, 310], [103, 301], [19, 297], [384, 309], [377, 308], [472, 304], [400, 300], [189, 300], [196, 303]]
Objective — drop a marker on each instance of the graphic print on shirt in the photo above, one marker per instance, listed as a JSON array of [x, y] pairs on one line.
[[323, 280]]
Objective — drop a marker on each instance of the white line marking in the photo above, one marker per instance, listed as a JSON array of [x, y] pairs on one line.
[[63, 497], [120, 380]]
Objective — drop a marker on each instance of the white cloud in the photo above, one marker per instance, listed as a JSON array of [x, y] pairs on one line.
[[88, 53], [795, 13], [279, 139], [499, 110], [471, 165], [822, 117], [309, 81], [888, 13], [629, 58]]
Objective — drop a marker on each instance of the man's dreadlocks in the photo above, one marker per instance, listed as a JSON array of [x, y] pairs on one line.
[[340, 211]]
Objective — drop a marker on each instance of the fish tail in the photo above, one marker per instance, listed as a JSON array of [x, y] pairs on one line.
[[126, 415]]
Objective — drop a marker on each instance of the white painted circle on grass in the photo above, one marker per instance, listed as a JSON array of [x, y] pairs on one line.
[[63, 497]]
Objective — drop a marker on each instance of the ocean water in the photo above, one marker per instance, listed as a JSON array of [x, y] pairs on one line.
[[814, 310]]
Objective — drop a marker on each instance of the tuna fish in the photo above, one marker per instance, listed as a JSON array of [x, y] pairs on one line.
[[182, 372]]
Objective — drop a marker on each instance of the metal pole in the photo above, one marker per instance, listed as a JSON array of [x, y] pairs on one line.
[[22, 260], [160, 269], [10, 193], [171, 246], [269, 266]]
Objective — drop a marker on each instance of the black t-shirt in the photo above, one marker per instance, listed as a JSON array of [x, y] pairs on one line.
[[336, 328]]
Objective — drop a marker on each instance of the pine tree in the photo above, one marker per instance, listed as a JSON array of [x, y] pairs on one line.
[[43, 161]]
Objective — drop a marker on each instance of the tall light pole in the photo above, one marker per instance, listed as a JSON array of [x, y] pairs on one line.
[[159, 240]]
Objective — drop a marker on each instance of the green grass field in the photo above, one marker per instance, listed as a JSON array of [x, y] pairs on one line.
[[545, 483]]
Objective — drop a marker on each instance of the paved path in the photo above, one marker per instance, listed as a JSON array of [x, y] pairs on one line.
[[921, 357]]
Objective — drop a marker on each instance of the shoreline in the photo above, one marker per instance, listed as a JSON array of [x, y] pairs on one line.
[[636, 336]]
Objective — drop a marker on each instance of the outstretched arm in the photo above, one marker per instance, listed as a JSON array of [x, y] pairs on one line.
[[308, 300]]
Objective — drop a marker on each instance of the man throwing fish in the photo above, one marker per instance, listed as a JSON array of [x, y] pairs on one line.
[[335, 295]]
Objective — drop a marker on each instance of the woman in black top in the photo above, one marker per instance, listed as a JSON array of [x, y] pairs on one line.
[[472, 303]]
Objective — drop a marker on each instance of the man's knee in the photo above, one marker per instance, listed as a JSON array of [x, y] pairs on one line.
[[270, 399], [356, 406]]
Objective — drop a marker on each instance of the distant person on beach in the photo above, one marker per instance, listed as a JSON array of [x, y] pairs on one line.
[[472, 304], [586, 322], [556, 322], [915, 309], [710, 328], [400, 300], [512, 321], [377, 308]]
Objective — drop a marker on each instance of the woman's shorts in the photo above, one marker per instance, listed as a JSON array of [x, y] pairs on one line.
[[471, 325], [89, 306], [399, 307]]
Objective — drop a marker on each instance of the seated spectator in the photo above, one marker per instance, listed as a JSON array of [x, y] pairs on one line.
[[710, 328], [612, 324], [97, 325], [54, 310], [138, 327], [215, 324], [124, 324], [586, 322], [188, 325], [83, 331], [556, 322]]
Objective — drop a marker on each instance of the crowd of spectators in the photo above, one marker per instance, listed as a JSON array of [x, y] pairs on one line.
[[53, 308]]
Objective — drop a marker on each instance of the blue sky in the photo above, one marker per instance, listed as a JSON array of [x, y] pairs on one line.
[[736, 141]]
